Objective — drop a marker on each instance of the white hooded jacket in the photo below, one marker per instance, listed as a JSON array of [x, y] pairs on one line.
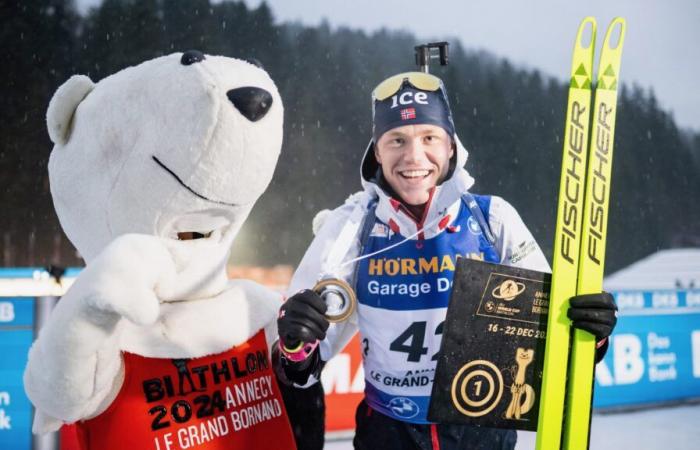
[[336, 240]]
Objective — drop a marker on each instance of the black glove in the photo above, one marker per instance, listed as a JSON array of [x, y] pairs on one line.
[[302, 319], [595, 313]]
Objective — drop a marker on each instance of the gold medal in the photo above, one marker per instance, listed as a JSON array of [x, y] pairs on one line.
[[338, 296]]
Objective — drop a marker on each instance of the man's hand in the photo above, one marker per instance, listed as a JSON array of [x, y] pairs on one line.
[[595, 313], [302, 319]]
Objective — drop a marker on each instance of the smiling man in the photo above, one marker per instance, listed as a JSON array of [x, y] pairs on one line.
[[414, 159], [399, 240]]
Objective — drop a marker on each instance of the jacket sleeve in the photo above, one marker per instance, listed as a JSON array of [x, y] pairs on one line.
[[514, 241]]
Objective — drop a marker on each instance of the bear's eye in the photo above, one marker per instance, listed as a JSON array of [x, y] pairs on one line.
[[252, 102]]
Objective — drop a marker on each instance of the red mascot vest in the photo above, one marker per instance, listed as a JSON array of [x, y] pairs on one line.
[[226, 401]]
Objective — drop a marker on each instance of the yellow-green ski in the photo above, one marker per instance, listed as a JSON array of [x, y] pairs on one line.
[[595, 224], [567, 240]]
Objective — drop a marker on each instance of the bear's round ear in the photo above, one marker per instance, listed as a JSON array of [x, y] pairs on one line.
[[63, 105]]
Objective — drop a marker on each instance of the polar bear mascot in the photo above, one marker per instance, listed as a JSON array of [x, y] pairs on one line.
[[153, 172]]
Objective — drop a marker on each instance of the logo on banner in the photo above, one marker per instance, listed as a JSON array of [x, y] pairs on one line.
[[4, 418], [7, 312]]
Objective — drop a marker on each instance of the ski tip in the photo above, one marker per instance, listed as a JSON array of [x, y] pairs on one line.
[[585, 38], [615, 36], [582, 61], [611, 56]]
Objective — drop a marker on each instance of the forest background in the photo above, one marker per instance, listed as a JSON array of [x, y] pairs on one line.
[[510, 119]]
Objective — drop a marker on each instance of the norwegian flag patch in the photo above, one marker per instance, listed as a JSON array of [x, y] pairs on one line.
[[379, 230], [408, 113]]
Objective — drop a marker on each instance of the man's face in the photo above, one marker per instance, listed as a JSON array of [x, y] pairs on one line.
[[414, 159]]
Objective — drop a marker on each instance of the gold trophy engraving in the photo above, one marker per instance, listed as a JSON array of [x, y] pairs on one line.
[[508, 290], [477, 388], [519, 406], [340, 298]]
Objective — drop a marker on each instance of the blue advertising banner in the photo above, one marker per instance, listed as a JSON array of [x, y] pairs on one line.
[[16, 336], [35, 273], [654, 354]]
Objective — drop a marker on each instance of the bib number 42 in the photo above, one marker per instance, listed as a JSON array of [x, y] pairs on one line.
[[412, 341]]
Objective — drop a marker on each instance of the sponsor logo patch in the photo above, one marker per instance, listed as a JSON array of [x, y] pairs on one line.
[[524, 249], [404, 407], [473, 225]]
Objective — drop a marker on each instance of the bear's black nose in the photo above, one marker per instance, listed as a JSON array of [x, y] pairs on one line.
[[252, 102], [191, 57]]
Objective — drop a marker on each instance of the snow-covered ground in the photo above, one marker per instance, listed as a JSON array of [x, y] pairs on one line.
[[671, 428]]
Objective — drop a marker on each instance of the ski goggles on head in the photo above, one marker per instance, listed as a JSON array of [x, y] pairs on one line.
[[411, 98], [419, 80]]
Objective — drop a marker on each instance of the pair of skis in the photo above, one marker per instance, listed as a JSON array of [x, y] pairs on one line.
[[579, 245]]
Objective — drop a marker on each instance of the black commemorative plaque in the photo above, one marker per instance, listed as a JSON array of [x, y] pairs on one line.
[[489, 370]]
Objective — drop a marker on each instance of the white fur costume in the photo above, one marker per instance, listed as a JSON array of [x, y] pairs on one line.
[[149, 152]]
